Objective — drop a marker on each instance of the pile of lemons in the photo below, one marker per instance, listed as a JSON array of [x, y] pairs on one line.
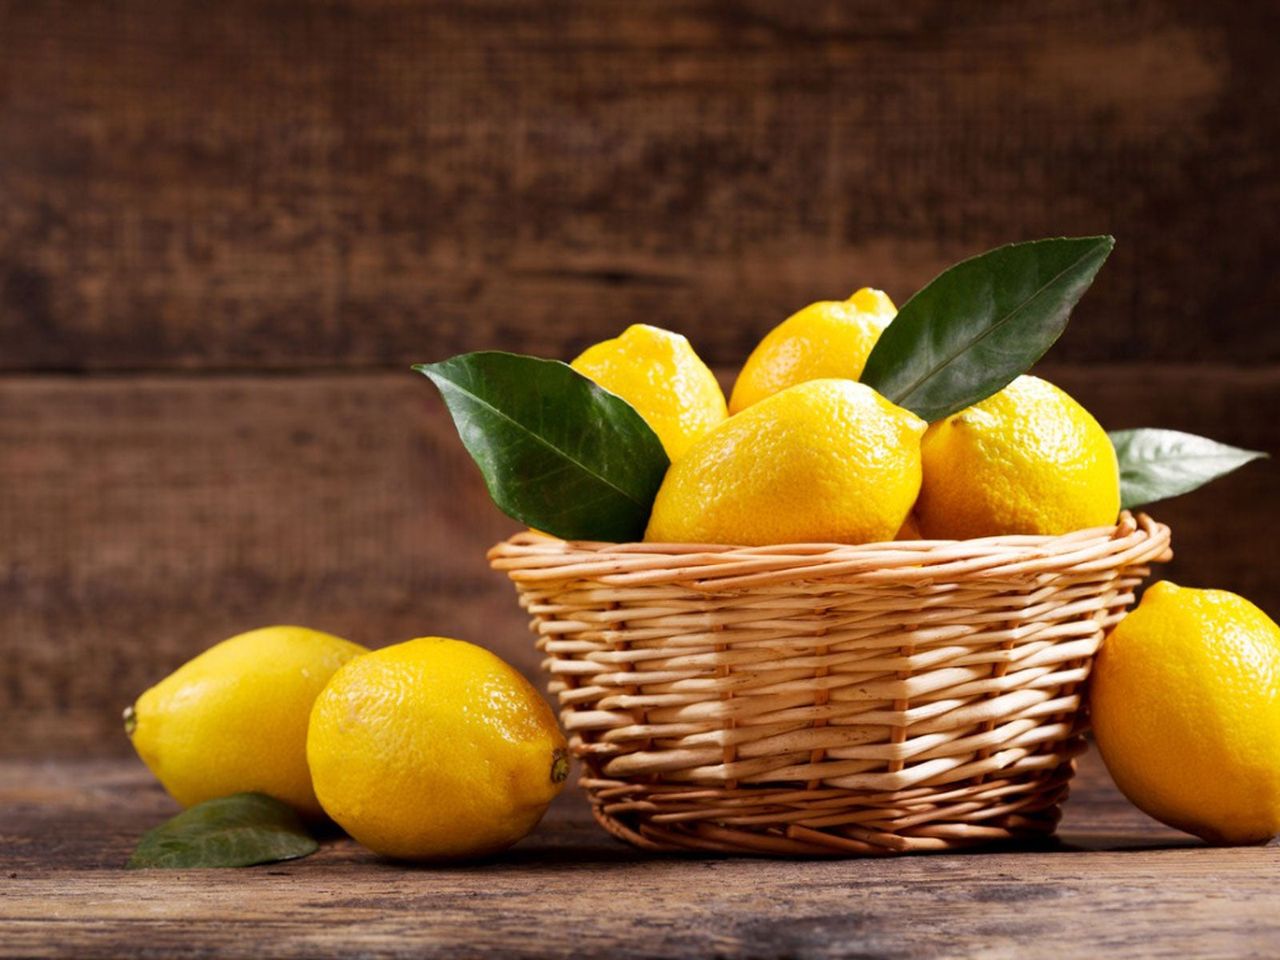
[[429, 749], [804, 453]]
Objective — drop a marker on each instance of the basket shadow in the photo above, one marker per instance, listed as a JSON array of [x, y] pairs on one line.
[[603, 852]]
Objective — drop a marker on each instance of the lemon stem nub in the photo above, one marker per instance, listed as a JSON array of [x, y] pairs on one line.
[[130, 720], [559, 766]]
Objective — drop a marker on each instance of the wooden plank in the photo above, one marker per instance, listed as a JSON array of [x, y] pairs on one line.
[[128, 801], [359, 183], [1119, 884], [145, 518]]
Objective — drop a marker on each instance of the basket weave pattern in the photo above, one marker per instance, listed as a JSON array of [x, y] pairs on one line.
[[818, 699]]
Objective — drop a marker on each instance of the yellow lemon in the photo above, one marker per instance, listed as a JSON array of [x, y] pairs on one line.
[[1027, 460], [235, 718], [434, 749], [830, 338], [1185, 700], [824, 461], [657, 372]]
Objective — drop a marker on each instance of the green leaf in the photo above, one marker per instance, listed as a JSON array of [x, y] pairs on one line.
[[557, 452], [976, 326], [235, 831], [1159, 464]]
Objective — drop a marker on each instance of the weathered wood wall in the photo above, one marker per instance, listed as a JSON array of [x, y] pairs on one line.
[[226, 230]]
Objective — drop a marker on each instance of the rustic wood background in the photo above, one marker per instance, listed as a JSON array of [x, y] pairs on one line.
[[227, 229]]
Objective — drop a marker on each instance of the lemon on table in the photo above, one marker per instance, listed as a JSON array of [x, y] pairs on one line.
[[434, 749], [830, 338], [824, 461], [1185, 699], [657, 372], [235, 718], [1028, 460]]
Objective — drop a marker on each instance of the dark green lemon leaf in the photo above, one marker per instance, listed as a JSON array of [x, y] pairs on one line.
[[235, 831], [557, 452], [1159, 464], [976, 326]]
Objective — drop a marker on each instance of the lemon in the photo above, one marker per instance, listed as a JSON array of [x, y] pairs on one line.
[[824, 461], [434, 749], [830, 338], [1185, 700], [657, 372], [1028, 460], [235, 717]]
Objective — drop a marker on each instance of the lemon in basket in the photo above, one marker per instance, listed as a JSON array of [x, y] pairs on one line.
[[434, 749], [235, 718], [1185, 699], [1027, 460], [830, 338], [657, 372], [827, 460]]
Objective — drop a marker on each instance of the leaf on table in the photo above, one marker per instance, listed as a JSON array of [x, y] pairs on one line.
[[236, 831], [979, 324], [1159, 464], [557, 452]]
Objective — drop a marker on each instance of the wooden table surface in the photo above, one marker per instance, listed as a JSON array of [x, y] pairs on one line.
[[1117, 883]]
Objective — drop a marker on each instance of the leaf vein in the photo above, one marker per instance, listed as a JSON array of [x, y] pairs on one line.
[[969, 345], [541, 440]]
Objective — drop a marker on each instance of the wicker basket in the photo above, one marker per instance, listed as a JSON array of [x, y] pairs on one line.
[[819, 699]]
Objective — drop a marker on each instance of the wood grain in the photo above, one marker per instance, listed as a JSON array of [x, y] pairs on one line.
[[145, 518], [1119, 884], [357, 183]]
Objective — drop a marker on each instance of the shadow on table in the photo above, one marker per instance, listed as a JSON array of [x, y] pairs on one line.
[[597, 851]]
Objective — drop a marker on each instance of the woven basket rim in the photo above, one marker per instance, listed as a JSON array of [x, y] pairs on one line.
[[530, 557]]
